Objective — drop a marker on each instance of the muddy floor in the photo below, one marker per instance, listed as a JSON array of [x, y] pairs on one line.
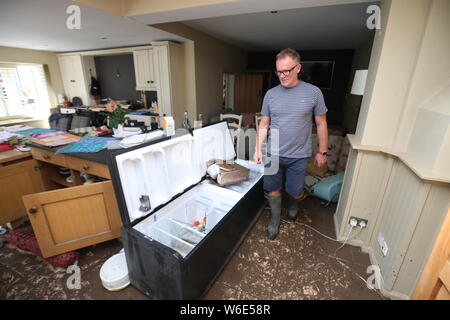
[[299, 264]]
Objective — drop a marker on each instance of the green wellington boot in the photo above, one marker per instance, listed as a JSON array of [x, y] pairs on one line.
[[293, 208], [275, 207]]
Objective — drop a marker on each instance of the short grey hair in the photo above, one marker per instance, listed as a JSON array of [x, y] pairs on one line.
[[288, 52]]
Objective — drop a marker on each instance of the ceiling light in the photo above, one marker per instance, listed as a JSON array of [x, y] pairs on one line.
[[104, 38]]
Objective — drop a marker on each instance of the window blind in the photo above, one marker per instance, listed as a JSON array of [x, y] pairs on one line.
[[23, 90]]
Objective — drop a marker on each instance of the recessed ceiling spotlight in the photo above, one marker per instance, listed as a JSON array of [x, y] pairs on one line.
[[104, 38]]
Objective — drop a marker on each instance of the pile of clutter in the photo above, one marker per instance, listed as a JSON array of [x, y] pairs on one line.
[[9, 139], [227, 172]]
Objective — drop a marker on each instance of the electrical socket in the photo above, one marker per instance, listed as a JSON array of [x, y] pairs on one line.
[[359, 222]]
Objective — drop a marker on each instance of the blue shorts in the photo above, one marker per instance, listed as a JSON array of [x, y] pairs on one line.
[[292, 171]]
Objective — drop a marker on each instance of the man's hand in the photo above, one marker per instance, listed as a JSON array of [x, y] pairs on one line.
[[257, 157], [320, 160]]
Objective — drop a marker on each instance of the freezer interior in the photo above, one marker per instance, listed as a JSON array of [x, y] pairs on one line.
[[184, 222], [153, 175]]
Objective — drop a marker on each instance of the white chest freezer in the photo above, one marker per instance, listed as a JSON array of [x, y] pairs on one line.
[[179, 229]]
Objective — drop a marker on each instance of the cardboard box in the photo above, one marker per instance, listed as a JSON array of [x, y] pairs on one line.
[[231, 174]]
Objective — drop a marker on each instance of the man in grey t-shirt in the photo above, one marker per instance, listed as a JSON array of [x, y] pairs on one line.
[[288, 109]]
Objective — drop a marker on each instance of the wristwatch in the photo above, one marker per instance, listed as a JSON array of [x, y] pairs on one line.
[[324, 153]]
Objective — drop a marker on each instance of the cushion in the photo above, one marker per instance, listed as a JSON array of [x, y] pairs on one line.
[[27, 241], [343, 155], [315, 170], [334, 149], [248, 120]]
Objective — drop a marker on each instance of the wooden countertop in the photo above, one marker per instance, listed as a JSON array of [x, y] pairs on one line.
[[11, 155], [100, 157]]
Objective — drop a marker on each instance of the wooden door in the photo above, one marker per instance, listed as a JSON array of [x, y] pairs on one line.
[[66, 68], [248, 93], [73, 218], [434, 283], [17, 178], [167, 71]]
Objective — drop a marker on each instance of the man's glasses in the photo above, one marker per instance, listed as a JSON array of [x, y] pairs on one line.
[[284, 72]]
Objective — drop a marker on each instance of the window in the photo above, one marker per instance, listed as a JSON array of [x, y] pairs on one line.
[[23, 91]]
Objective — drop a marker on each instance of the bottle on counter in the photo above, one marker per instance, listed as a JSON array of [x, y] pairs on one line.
[[198, 123], [186, 124]]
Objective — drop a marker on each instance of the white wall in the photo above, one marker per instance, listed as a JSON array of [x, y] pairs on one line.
[[391, 177], [211, 59]]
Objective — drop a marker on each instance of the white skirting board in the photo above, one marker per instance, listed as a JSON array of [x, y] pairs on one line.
[[358, 243]]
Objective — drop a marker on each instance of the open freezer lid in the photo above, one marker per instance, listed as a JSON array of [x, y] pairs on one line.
[[152, 175], [213, 142]]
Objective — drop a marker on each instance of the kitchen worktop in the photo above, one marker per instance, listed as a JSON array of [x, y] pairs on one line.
[[99, 156], [103, 155], [11, 155]]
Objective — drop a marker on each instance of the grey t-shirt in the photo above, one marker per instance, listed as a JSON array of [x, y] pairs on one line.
[[291, 112]]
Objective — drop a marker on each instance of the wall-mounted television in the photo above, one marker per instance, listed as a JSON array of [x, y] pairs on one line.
[[318, 73]]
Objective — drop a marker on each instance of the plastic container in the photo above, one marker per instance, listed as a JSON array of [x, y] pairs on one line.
[[168, 126], [114, 273]]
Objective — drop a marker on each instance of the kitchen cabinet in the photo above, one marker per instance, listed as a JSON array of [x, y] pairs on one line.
[[158, 67], [18, 176], [75, 72], [179, 228], [161, 68], [69, 216], [144, 69]]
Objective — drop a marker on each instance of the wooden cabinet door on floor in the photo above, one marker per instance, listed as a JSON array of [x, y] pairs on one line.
[[17, 179], [73, 218]]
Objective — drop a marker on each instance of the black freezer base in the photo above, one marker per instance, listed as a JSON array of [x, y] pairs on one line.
[[163, 274]]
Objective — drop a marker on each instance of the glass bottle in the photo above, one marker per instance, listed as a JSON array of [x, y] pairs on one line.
[[198, 123], [186, 124]]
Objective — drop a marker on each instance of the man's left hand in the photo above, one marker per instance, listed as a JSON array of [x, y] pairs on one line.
[[320, 160]]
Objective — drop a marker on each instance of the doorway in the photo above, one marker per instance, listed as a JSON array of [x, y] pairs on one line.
[[248, 93]]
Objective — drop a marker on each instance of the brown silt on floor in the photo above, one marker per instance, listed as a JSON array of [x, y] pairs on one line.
[[298, 264]]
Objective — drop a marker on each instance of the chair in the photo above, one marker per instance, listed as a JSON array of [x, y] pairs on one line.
[[233, 126], [258, 117], [230, 116]]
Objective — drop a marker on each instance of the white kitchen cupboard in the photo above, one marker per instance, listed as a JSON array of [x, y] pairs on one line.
[[161, 68], [144, 69], [158, 67], [75, 72]]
